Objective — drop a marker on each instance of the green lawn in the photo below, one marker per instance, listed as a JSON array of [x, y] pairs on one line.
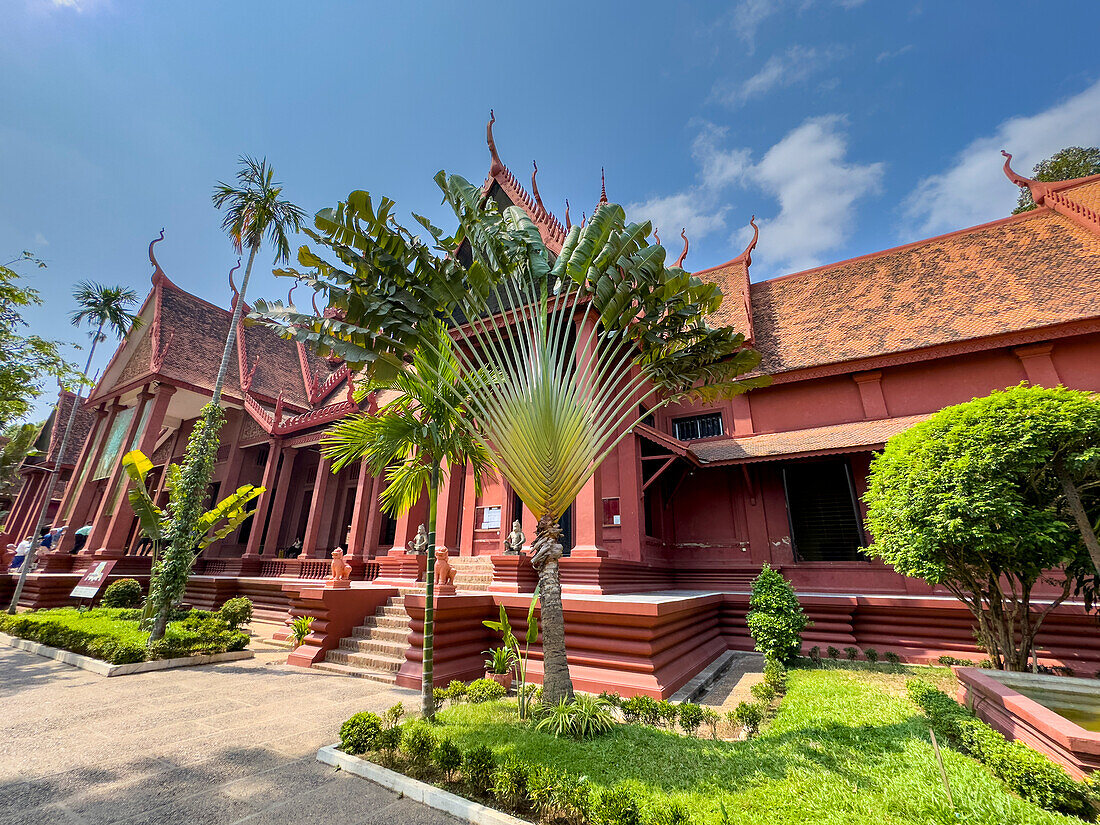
[[846, 746]]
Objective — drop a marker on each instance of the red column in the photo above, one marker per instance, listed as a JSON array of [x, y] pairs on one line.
[[360, 518], [18, 513], [33, 492], [469, 509], [450, 512], [72, 488], [119, 528], [114, 493], [278, 504], [320, 512], [374, 518], [263, 503], [588, 508], [631, 515]]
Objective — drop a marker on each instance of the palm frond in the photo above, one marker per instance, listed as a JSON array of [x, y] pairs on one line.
[[254, 209]]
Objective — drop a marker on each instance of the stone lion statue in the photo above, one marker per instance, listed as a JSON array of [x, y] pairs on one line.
[[340, 570], [444, 573]]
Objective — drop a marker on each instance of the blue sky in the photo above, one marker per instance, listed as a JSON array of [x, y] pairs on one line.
[[846, 126]]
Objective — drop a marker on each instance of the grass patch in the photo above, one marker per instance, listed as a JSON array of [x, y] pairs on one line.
[[846, 746], [114, 634]]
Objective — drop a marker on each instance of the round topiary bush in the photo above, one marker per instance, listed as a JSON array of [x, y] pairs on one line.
[[359, 734], [484, 690], [122, 593], [236, 611], [775, 617]]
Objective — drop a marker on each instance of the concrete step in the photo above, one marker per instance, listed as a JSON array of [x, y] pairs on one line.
[[384, 677], [367, 661], [397, 610], [386, 648], [381, 634], [388, 622]]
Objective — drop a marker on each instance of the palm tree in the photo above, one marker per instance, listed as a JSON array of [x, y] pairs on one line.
[[562, 401], [108, 307], [408, 439], [254, 212]]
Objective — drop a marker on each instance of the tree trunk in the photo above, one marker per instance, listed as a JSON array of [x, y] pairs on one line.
[[556, 684], [36, 536], [427, 700], [231, 338], [1077, 510]]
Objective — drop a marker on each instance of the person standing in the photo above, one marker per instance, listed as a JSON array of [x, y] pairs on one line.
[[80, 538]]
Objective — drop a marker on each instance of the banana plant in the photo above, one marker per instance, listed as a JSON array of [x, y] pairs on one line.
[[153, 521], [504, 628]]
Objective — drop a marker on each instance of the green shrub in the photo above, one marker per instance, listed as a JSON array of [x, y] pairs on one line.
[[691, 717], [98, 633], [236, 611], [359, 734], [870, 654], [669, 813], [775, 675], [439, 697], [711, 718], [748, 716], [477, 769], [892, 658], [613, 699], [300, 627], [852, 653], [122, 593], [763, 692], [591, 716], [667, 714], [1025, 772], [834, 653], [456, 691], [447, 757], [417, 743], [388, 741], [485, 690], [558, 797], [201, 633], [556, 719], [616, 806], [775, 617], [510, 784], [641, 710], [393, 715], [815, 655], [529, 691]]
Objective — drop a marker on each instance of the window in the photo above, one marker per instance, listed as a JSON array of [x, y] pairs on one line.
[[611, 517], [823, 513], [487, 518], [697, 426]]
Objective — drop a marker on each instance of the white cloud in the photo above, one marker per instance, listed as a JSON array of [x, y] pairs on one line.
[[746, 17], [890, 55], [817, 188], [807, 173], [40, 239], [796, 64], [974, 189]]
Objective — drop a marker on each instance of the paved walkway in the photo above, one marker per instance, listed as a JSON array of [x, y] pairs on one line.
[[210, 745]]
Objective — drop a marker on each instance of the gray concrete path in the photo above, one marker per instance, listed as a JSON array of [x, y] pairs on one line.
[[210, 745]]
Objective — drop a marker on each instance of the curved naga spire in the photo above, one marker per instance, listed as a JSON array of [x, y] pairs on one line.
[[568, 224], [747, 254], [535, 188], [1019, 180], [290, 293], [232, 285], [313, 300], [158, 273], [496, 167], [684, 254], [603, 187], [656, 237]]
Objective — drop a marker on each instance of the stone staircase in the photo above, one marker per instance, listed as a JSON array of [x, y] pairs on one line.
[[472, 573], [376, 649]]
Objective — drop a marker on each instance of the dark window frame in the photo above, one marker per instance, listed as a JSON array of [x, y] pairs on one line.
[[697, 422]]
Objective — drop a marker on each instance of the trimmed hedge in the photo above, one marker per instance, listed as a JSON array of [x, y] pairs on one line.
[[1025, 772], [113, 635], [122, 593]]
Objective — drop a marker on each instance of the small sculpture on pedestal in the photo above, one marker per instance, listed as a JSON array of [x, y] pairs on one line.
[[513, 545], [419, 545], [444, 573], [339, 571]]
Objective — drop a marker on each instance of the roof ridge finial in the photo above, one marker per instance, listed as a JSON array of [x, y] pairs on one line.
[[747, 254], [158, 273], [290, 292], [313, 300], [232, 285], [535, 188], [497, 166], [603, 187], [584, 219], [684, 254], [656, 237], [568, 224]]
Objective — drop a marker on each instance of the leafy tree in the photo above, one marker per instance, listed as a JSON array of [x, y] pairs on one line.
[[408, 439], [254, 210], [28, 359], [562, 401], [775, 617], [18, 444], [155, 522], [1067, 164], [108, 308], [973, 499]]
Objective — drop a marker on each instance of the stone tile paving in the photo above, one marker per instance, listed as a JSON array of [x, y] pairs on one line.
[[733, 687], [209, 745]]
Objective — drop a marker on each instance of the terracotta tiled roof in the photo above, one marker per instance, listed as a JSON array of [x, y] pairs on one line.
[[1087, 195], [49, 439], [836, 438], [1032, 270]]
